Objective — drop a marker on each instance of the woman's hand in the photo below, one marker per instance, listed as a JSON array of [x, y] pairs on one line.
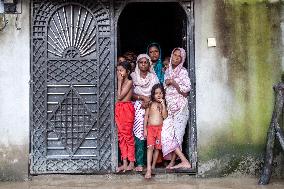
[[146, 99], [169, 81], [145, 105], [184, 94], [175, 85]]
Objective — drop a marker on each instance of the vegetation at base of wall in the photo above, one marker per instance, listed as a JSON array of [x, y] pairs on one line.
[[219, 161], [1, 21], [13, 162]]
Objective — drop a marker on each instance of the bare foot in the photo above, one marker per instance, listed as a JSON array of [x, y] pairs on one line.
[[139, 169], [130, 167], [171, 164], [120, 168], [184, 165], [148, 174]]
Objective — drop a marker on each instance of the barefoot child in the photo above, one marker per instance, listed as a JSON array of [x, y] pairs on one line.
[[153, 122], [125, 123]]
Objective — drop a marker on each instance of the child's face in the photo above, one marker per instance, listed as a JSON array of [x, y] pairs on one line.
[[121, 59], [166, 63], [158, 95], [132, 66], [122, 71]]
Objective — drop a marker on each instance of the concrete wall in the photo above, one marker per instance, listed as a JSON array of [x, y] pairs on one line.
[[14, 95], [234, 83], [234, 86]]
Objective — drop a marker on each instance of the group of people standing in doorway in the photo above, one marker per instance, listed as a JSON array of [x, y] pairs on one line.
[[152, 108]]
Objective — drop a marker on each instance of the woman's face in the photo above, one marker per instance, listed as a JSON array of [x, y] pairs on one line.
[[143, 64], [154, 53], [176, 58]]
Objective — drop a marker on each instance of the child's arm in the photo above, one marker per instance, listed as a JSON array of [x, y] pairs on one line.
[[123, 91], [164, 110], [146, 122]]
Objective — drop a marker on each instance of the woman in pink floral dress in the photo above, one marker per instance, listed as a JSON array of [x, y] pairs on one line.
[[177, 86]]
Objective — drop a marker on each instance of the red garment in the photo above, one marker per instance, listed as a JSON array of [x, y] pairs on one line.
[[124, 118], [154, 136]]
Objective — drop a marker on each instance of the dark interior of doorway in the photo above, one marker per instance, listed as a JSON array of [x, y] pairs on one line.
[[142, 23]]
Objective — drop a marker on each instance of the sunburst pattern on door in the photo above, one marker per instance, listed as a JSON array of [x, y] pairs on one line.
[[72, 33]]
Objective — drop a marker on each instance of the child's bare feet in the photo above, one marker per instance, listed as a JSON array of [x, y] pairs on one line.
[[120, 168], [184, 165], [130, 167], [139, 169], [148, 174]]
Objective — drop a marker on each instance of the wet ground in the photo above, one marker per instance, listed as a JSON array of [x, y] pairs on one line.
[[137, 182]]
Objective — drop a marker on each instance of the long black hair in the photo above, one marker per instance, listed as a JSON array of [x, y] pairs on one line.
[[157, 86], [127, 66]]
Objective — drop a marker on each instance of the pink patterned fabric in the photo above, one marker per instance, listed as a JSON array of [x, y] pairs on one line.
[[174, 125], [176, 101]]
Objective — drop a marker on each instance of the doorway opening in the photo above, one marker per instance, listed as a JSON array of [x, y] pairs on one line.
[[142, 23], [166, 23]]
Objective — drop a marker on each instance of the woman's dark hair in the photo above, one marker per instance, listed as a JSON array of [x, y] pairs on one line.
[[126, 65], [153, 45], [157, 86]]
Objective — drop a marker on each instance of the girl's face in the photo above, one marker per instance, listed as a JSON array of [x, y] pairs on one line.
[[166, 63], [143, 64], [122, 71], [158, 95], [176, 58], [154, 53]]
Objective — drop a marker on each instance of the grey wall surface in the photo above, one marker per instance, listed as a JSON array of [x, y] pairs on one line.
[[14, 95], [14, 79]]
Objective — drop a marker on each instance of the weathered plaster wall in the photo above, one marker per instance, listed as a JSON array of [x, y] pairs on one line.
[[14, 95], [234, 83]]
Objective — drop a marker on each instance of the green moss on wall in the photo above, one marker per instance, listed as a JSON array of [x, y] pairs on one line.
[[1, 21], [249, 38]]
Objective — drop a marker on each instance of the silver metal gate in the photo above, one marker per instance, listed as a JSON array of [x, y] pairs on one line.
[[72, 87]]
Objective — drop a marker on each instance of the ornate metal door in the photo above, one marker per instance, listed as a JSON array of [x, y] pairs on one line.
[[72, 86]]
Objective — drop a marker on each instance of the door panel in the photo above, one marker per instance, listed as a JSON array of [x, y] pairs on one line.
[[72, 87]]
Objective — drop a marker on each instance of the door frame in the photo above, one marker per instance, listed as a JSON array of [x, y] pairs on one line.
[[188, 7]]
